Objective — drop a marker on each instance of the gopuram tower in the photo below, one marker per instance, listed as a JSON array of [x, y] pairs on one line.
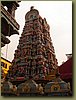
[[35, 55]]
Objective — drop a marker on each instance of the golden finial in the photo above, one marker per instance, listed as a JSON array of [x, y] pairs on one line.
[[32, 7]]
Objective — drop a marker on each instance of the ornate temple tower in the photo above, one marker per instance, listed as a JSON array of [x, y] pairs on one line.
[[35, 55]]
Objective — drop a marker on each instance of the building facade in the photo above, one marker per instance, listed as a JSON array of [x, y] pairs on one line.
[[66, 71], [9, 26], [5, 66]]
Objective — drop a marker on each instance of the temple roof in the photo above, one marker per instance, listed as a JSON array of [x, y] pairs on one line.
[[56, 85], [28, 85]]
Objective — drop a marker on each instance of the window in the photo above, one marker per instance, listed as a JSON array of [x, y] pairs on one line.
[[2, 64], [32, 16], [5, 66]]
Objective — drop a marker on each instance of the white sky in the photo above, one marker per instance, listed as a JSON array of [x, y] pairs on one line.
[[58, 15]]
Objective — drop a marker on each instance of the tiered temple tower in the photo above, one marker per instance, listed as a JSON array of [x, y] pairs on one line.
[[35, 55]]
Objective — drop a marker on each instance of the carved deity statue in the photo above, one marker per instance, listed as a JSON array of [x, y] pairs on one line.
[[40, 89], [26, 88]]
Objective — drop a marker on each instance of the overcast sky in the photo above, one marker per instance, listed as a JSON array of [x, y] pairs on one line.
[[58, 15]]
